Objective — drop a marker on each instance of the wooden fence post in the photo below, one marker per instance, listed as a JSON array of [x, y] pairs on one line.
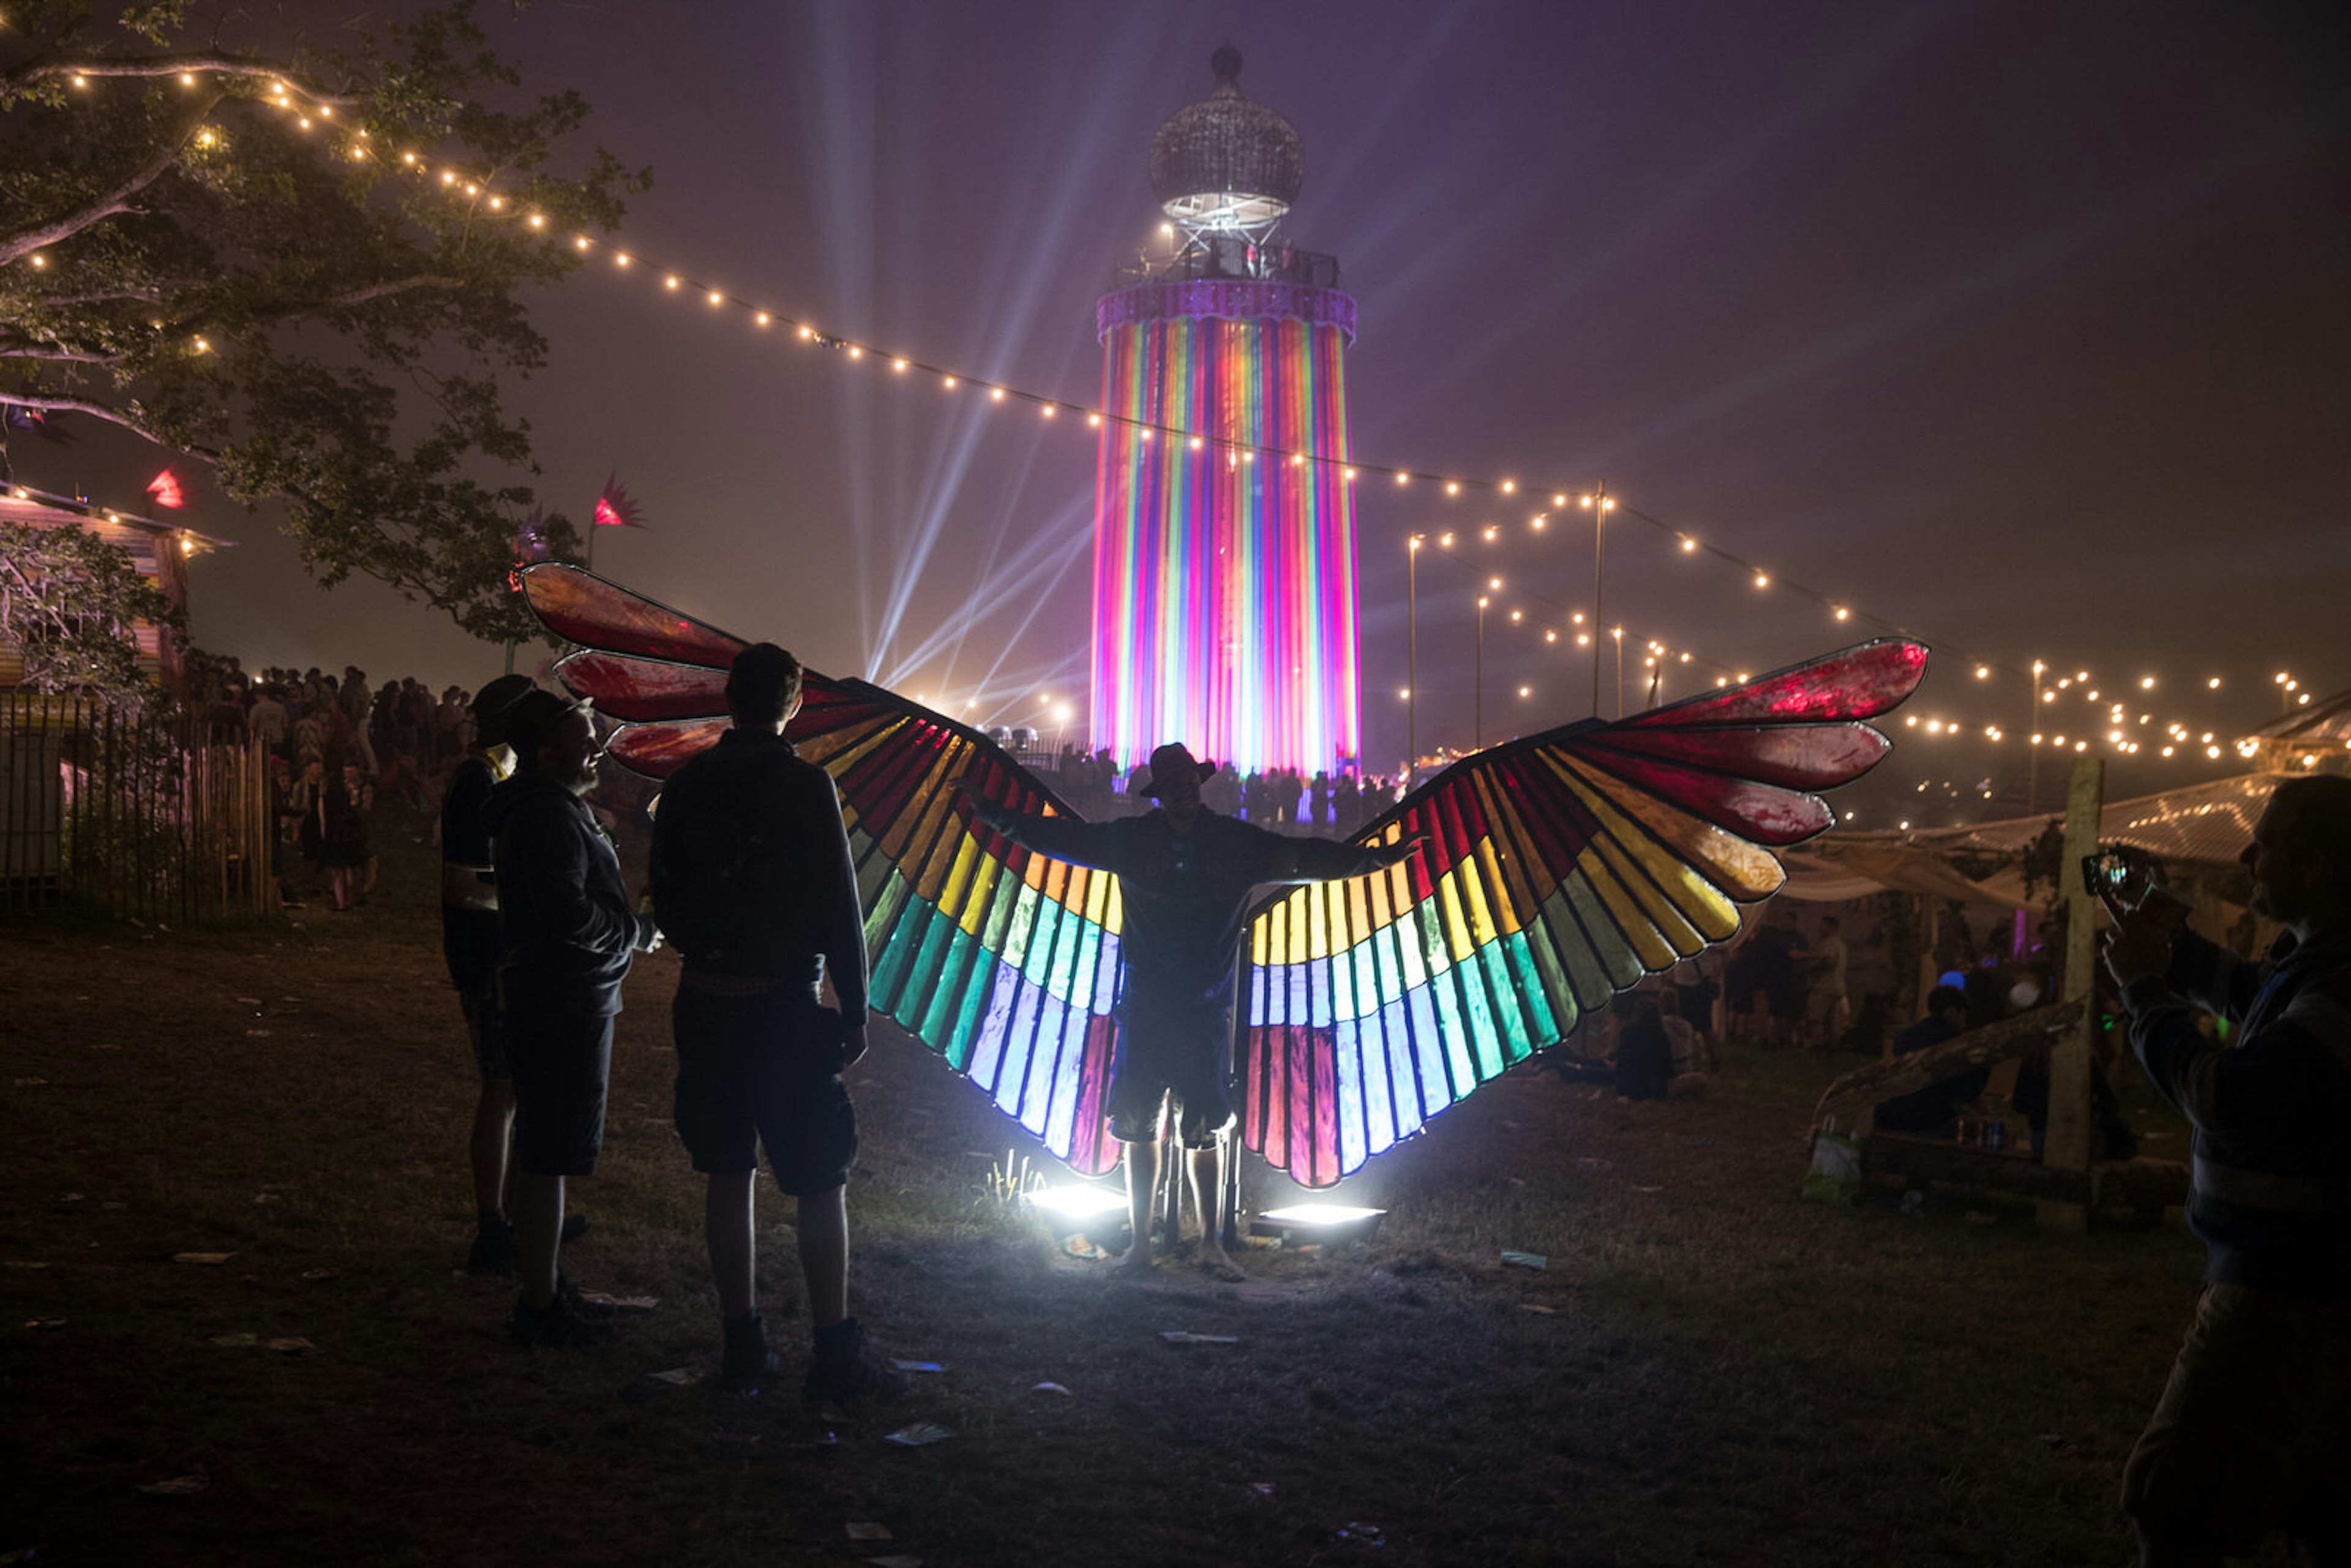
[[2066, 1145]]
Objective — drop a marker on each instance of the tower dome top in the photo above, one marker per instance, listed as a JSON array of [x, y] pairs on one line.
[[1225, 162]]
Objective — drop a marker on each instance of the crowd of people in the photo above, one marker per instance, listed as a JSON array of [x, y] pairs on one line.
[[338, 748], [1333, 804]]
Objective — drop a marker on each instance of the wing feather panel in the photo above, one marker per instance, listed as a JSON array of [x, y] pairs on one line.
[[1555, 872]]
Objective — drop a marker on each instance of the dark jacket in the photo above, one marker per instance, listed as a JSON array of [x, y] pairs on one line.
[[2272, 1110], [1184, 897], [797, 918], [566, 931]]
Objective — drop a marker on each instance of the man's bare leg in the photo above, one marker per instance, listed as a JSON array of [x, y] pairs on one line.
[[493, 1130], [727, 1227], [539, 1235], [1142, 1188], [1206, 1170], [823, 1227]]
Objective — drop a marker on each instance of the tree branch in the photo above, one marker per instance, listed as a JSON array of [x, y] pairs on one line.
[[17, 351], [50, 403], [206, 60], [112, 201], [384, 290]]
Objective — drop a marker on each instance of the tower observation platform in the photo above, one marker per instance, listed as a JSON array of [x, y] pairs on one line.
[[1225, 580]]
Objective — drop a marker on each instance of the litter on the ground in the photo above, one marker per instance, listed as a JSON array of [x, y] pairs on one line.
[[1186, 1336], [289, 1344], [621, 1304], [1369, 1534], [866, 1530], [1262, 1489], [65, 1197], [43, 1324], [918, 1435], [1049, 1388], [918, 1366], [1525, 1260], [678, 1376], [208, 1260], [1538, 1307], [317, 1273], [236, 1341], [178, 1486]]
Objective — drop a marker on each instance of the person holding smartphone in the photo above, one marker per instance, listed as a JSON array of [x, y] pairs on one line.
[[2253, 1431]]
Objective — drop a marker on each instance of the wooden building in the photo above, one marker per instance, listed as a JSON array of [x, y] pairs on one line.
[[160, 552]]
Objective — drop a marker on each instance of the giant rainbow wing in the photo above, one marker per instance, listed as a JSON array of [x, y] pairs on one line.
[[1002, 960], [1557, 870]]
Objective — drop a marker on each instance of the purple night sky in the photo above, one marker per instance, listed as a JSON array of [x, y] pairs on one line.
[[2021, 327]]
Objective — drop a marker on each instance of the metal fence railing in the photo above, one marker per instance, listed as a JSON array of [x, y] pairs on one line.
[[152, 819]]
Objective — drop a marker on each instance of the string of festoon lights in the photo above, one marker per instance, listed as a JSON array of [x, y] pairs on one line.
[[2102, 721], [2099, 719]]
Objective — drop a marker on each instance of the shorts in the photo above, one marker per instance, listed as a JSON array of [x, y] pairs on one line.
[[1171, 1051], [561, 1062], [764, 1071], [486, 1028], [2254, 1425]]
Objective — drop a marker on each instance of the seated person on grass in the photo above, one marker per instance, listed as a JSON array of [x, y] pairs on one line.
[[1933, 1111]]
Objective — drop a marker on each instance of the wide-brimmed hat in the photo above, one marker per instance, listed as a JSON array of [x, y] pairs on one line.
[[1169, 760], [491, 704]]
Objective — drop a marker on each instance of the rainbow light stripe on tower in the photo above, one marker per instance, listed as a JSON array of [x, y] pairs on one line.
[[1225, 574]]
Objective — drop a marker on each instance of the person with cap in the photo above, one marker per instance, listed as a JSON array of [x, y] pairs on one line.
[[752, 884], [1185, 875], [567, 935], [469, 945]]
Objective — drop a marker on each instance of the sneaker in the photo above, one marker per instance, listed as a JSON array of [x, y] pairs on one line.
[[494, 1250], [568, 1295], [845, 1369], [560, 1324], [746, 1360]]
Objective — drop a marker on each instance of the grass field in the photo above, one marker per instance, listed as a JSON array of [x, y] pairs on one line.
[[1707, 1371]]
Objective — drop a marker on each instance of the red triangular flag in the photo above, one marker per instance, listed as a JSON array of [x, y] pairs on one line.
[[616, 508]]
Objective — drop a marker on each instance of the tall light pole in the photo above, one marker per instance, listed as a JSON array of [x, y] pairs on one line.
[[1600, 506], [1616, 635], [1478, 704], [1412, 655], [2033, 746]]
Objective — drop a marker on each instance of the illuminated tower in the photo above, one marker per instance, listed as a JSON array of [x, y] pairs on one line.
[[1224, 525]]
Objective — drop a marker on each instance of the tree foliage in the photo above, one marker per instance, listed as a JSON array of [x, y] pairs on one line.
[[300, 264], [72, 603]]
